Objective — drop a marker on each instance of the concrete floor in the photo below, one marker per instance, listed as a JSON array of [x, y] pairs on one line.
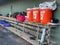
[[8, 38]]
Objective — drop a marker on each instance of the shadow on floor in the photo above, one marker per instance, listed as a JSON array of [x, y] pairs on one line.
[[8, 38]]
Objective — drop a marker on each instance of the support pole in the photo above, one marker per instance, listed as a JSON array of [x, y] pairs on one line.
[[43, 35]]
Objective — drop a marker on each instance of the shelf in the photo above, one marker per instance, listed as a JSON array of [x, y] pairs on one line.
[[27, 25]]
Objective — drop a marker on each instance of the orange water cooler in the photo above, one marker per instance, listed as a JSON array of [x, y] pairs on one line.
[[46, 16], [29, 15], [36, 14]]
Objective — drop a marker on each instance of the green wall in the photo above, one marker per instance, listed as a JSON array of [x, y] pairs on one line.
[[57, 30], [18, 6], [24, 4]]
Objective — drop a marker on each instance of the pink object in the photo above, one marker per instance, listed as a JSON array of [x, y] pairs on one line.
[[20, 18], [3, 26]]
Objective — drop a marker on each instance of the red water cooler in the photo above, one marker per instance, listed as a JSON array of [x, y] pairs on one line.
[[29, 15], [46, 16], [36, 15]]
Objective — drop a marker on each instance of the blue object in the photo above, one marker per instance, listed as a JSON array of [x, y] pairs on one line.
[[4, 23]]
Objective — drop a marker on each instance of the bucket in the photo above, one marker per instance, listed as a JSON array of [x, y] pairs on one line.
[[29, 15], [46, 16], [20, 18], [36, 15]]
